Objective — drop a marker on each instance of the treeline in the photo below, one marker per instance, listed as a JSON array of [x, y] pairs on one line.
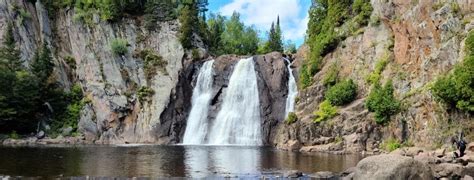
[[31, 95]]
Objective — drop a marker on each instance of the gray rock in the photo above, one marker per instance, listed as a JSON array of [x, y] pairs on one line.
[[66, 131], [324, 175], [394, 167], [40, 135], [86, 125]]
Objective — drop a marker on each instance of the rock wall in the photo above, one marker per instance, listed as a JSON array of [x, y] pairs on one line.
[[110, 82], [422, 40]]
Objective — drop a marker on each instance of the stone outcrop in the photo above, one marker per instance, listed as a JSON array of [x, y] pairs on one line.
[[391, 167], [421, 40]]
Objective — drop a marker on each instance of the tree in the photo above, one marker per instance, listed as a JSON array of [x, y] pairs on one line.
[[188, 17], [42, 65], [290, 47], [216, 26], [275, 38], [9, 54], [237, 38]]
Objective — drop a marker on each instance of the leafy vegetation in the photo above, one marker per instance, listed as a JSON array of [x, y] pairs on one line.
[[390, 144], [325, 111], [342, 93], [291, 118], [456, 89], [152, 63], [28, 96], [330, 22], [374, 76], [382, 102], [144, 93], [119, 46]]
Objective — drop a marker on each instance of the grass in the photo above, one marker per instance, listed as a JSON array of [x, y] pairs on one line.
[[390, 144]]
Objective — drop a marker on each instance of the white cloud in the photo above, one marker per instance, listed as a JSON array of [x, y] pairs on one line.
[[261, 14]]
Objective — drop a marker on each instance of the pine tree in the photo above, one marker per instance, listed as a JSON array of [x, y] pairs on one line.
[[9, 54], [275, 42], [42, 65]]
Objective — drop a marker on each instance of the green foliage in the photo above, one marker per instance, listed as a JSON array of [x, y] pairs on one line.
[[14, 135], [382, 102], [291, 118], [71, 115], [152, 63], [374, 76], [188, 17], [275, 42], [70, 61], [342, 93], [325, 111], [195, 54], [164, 10], [326, 18], [305, 79], [237, 38], [216, 27], [119, 46], [390, 144], [330, 78], [144, 93], [456, 89]]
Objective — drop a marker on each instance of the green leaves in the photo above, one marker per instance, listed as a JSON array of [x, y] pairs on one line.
[[119, 46], [342, 93], [325, 111], [382, 102]]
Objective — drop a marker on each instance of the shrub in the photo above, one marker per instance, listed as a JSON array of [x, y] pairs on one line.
[[325, 111], [374, 76], [382, 102], [390, 144], [70, 61], [119, 46], [195, 54], [342, 93], [14, 135], [291, 118], [330, 78], [456, 89], [144, 93], [152, 62]]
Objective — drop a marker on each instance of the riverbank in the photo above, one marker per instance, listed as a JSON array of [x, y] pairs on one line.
[[45, 141]]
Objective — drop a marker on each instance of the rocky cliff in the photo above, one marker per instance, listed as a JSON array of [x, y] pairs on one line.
[[125, 103], [421, 40]]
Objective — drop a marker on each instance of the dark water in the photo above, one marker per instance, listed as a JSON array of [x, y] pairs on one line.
[[163, 161]]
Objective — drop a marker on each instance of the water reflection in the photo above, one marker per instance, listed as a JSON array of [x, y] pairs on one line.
[[163, 161]]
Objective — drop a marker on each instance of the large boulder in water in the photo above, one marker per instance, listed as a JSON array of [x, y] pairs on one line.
[[393, 167]]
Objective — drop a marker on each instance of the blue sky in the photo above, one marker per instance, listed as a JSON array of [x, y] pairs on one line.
[[261, 13]]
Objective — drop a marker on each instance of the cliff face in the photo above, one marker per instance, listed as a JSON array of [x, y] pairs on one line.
[[110, 82], [421, 40]]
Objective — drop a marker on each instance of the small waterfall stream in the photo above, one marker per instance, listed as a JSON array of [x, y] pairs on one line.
[[292, 91], [238, 121], [197, 123]]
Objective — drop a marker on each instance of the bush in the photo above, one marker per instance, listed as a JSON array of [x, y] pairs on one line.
[[382, 102], [119, 46], [374, 76], [342, 93], [14, 135], [152, 62], [390, 144], [144, 93], [291, 118], [325, 111], [456, 89]]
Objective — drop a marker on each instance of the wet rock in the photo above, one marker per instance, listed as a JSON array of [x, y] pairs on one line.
[[440, 152], [391, 167], [448, 170], [324, 175], [293, 174], [40, 135]]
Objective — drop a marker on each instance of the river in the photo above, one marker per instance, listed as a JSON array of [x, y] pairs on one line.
[[163, 161]]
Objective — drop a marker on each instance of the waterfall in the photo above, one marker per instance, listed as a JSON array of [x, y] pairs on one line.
[[238, 121], [197, 123], [292, 91]]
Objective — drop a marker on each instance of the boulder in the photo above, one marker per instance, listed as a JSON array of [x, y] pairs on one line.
[[40, 135], [66, 131], [391, 167], [448, 170], [293, 174], [470, 147], [440, 152], [291, 145], [467, 177]]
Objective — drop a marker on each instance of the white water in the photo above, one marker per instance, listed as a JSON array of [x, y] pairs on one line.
[[238, 121], [197, 123], [292, 91]]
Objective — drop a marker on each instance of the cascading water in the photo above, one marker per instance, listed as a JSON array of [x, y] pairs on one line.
[[197, 123], [238, 121], [292, 91]]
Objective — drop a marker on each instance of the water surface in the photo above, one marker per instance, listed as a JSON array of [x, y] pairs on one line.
[[163, 161]]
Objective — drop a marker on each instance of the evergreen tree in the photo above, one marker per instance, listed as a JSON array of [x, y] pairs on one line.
[[275, 42], [42, 65], [9, 54], [188, 17], [216, 27]]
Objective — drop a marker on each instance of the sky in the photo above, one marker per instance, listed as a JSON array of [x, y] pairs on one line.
[[261, 13]]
